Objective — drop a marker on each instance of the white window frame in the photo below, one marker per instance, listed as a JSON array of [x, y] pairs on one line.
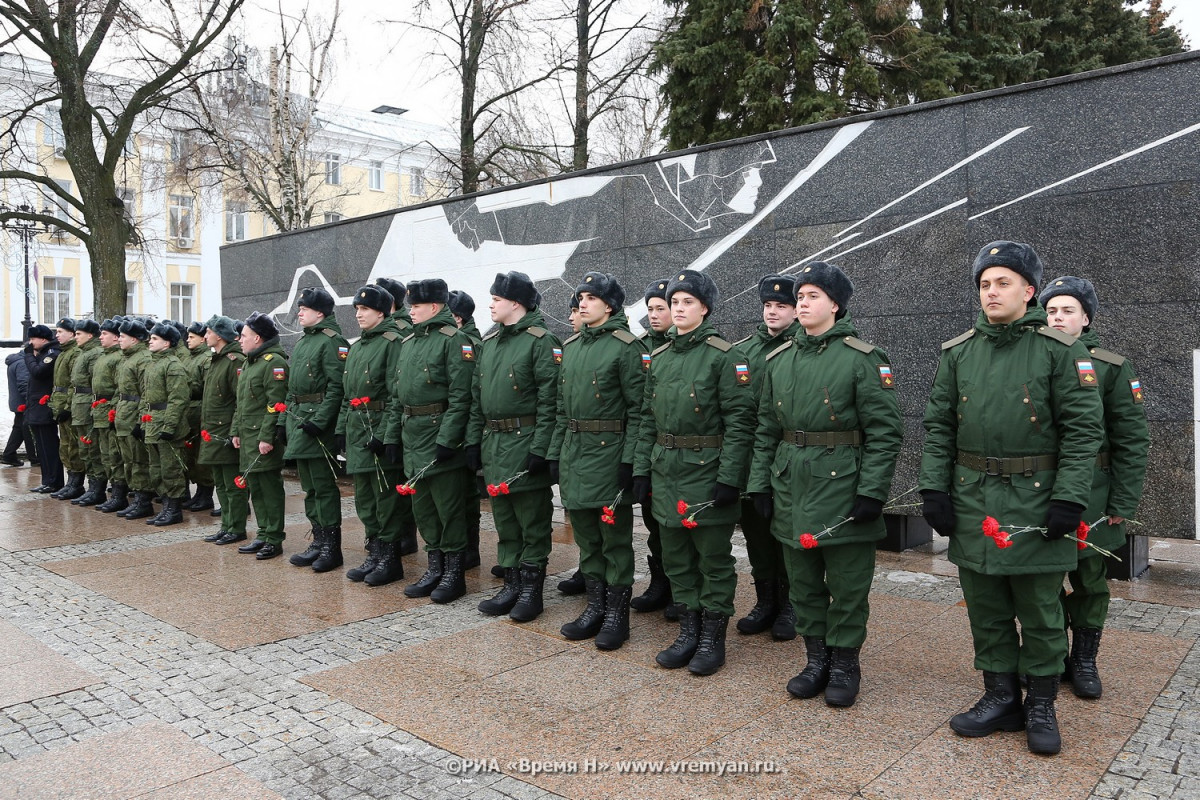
[[52, 132], [375, 176], [56, 297], [333, 169], [180, 217], [416, 182], [237, 217], [130, 296], [332, 216], [60, 207], [181, 146], [183, 302]]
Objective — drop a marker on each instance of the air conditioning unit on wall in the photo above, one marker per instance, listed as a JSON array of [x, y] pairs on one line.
[[183, 243]]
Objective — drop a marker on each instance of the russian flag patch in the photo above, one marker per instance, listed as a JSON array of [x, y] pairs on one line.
[[886, 377], [343, 352], [645, 361], [1087, 372], [743, 372], [557, 351], [468, 353], [280, 373]]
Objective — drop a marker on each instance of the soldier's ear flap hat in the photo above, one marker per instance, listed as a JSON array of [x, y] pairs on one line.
[[179, 326], [394, 288], [111, 325], [604, 287], [1021, 258], [831, 280], [1079, 288], [697, 284], [67, 324], [375, 297], [131, 327], [88, 326], [518, 287], [197, 328], [657, 289], [165, 330], [574, 304], [462, 305], [41, 332], [263, 325], [430, 290], [317, 299], [224, 327], [779, 288]]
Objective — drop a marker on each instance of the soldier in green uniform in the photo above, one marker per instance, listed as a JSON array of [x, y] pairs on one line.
[[258, 431], [431, 389], [314, 399], [829, 432], [694, 449], [361, 431], [462, 308], [60, 406], [772, 607], [166, 391], [130, 433], [80, 407], [217, 404], [599, 415], [658, 591], [1071, 305], [512, 421], [1012, 428], [104, 389], [196, 362], [573, 585], [407, 543]]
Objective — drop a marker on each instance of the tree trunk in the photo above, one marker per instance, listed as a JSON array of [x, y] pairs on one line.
[[579, 152]]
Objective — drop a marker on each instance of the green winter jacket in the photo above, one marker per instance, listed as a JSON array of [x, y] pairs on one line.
[[81, 378], [436, 367], [1000, 391], [262, 383], [470, 329], [218, 403], [516, 375], [166, 392], [831, 383], [318, 365], [135, 361], [60, 396], [602, 379], [104, 385], [758, 345], [1116, 487], [369, 366], [195, 361], [698, 384]]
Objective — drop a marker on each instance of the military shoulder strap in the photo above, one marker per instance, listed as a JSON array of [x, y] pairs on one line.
[[624, 336], [492, 334], [1056, 335], [408, 338], [662, 348], [449, 330], [859, 345], [391, 336], [957, 340], [535, 331], [1107, 356], [330, 332], [719, 343], [780, 349], [233, 356], [571, 338], [743, 341]]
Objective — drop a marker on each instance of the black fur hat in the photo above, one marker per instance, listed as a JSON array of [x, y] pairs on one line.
[[394, 288], [831, 280], [134, 328], [179, 326], [603, 286], [430, 290], [67, 324], [88, 326], [1079, 288], [41, 332], [111, 325], [518, 287], [696, 284], [574, 302], [198, 328], [374, 296], [224, 327], [1021, 258], [263, 325], [657, 289], [317, 299], [165, 330], [780, 288], [462, 305]]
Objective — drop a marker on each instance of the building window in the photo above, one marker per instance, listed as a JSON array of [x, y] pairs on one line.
[[52, 132], [181, 147], [235, 222], [375, 176], [128, 200], [416, 182], [130, 296], [56, 298], [333, 169], [179, 223], [331, 217], [183, 296]]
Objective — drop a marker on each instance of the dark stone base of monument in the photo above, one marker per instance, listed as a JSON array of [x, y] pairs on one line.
[[1135, 559], [905, 532]]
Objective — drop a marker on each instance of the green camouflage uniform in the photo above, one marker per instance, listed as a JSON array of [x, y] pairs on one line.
[[82, 395], [216, 449], [165, 391], [262, 384], [60, 400], [134, 456], [104, 387]]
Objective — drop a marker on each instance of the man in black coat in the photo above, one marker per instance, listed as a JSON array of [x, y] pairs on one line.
[[40, 355], [18, 397]]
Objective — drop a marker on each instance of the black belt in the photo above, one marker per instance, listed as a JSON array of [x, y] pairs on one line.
[[596, 425], [310, 398], [510, 424], [131, 398], [823, 438], [1017, 465], [158, 406], [60, 388], [425, 410], [1103, 460], [673, 442], [83, 390]]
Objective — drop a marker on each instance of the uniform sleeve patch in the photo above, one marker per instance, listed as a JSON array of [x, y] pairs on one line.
[[343, 352], [468, 352], [743, 373], [886, 377], [279, 373], [646, 360], [239, 372], [1135, 386], [1087, 372], [557, 351]]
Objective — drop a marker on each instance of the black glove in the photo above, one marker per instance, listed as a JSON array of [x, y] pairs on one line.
[[938, 511], [138, 433], [536, 464], [866, 509], [1062, 518], [311, 429], [724, 495], [392, 453], [281, 435], [375, 445], [555, 474], [339, 443], [625, 477], [166, 436], [445, 453], [63, 416], [764, 505], [474, 456], [641, 490]]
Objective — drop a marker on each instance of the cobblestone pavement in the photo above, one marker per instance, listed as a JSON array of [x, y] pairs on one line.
[[250, 707]]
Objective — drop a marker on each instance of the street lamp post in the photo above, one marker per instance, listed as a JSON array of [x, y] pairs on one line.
[[25, 230]]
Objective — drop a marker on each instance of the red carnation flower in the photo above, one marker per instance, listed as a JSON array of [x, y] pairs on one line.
[[492, 490], [280, 407], [240, 481], [1083, 530], [808, 541], [146, 418], [21, 408], [681, 507], [112, 415], [206, 436], [991, 527], [45, 399], [355, 402], [690, 523], [503, 487]]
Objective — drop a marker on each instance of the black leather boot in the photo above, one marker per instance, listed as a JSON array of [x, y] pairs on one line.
[[118, 500], [212, 537], [408, 539], [202, 500], [95, 494], [672, 611], [684, 647], [368, 565], [710, 652], [142, 506], [573, 585], [308, 555], [588, 623], [430, 579], [532, 579], [998, 710], [172, 513], [1041, 723], [72, 489], [1081, 665], [452, 585], [844, 677], [497, 571], [471, 556], [506, 598], [784, 629], [658, 592], [331, 552], [388, 568], [766, 608], [812, 679], [614, 632], [162, 513]]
